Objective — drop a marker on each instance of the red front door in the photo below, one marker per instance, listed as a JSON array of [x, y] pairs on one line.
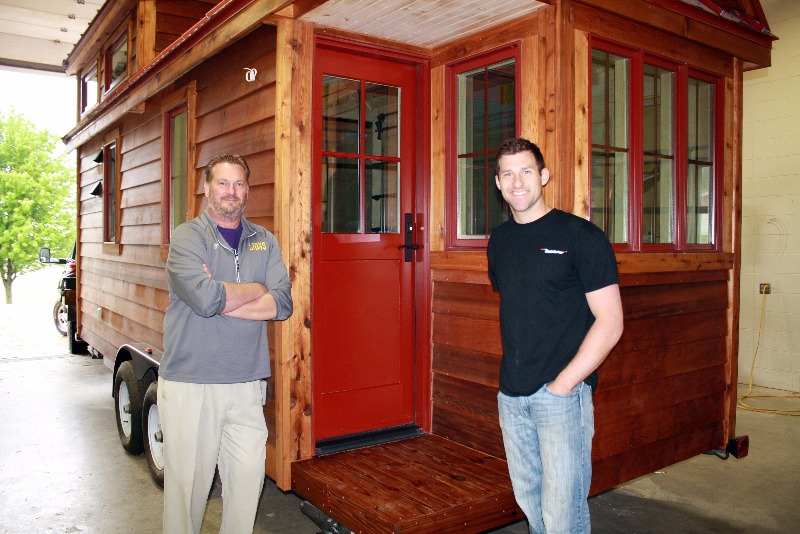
[[363, 278]]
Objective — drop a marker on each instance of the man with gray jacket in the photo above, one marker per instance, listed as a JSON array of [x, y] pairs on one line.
[[226, 279]]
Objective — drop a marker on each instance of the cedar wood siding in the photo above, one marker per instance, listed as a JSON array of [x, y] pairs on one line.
[[230, 116]]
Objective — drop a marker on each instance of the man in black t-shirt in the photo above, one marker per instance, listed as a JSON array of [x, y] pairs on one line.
[[560, 316]]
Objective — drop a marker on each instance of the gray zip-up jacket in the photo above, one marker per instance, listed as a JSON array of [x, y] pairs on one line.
[[201, 345]]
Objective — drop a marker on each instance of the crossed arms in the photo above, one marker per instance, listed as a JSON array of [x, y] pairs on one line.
[[249, 300]]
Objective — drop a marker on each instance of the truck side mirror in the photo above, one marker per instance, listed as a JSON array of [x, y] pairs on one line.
[[44, 255]]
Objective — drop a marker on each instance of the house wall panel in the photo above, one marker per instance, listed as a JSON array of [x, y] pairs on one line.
[[666, 375]]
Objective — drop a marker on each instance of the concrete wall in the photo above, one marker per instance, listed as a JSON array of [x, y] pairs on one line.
[[771, 209]]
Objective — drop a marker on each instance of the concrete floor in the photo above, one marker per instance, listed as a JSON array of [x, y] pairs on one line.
[[62, 469]]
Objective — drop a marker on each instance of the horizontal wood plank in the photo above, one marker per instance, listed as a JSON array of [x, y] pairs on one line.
[[474, 433], [614, 470], [613, 437], [467, 332], [623, 369], [658, 394], [466, 300], [473, 400], [474, 366]]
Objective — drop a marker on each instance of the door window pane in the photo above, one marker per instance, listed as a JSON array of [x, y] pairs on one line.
[[382, 208], [341, 106], [658, 203], [340, 195], [486, 118], [382, 109], [699, 177], [610, 148]]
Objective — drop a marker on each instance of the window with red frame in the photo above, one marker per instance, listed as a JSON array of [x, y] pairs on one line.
[[483, 92], [655, 185]]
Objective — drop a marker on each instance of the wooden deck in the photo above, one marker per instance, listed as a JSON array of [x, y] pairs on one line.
[[423, 484]]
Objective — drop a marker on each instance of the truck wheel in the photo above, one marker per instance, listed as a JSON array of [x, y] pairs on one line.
[[60, 317], [153, 437], [128, 406], [76, 346]]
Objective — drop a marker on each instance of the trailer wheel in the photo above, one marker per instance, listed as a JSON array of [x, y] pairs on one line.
[[128, 406], [76, 346], [153, 437], [60, 317]]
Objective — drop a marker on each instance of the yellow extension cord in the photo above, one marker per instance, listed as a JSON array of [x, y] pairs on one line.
[[740, 400]]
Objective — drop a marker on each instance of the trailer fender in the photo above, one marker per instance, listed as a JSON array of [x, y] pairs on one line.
[[146, 361]]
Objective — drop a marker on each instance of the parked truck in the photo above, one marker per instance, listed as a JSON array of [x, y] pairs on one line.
[[65, 308]]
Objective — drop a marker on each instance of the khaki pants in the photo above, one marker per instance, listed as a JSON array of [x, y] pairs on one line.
[[208, 425]]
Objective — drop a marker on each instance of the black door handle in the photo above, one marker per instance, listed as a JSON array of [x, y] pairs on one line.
[[409, 244]]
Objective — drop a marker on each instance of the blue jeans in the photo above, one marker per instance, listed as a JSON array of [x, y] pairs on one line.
[[548, 443]]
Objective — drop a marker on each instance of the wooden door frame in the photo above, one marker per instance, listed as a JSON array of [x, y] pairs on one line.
[[422, 279]]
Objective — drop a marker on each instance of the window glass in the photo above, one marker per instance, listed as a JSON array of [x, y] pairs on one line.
[[610, 145], [382, 208], [178, 155], [89, 90], [486, 118], [110, 193], [658, 191], [117, 61], [340, 195], [341, 105], [699, 176], [382, 109]]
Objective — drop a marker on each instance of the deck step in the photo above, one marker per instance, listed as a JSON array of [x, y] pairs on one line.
[[425, 484]]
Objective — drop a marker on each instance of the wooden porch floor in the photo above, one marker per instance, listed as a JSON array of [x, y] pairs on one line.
[[423, 484]]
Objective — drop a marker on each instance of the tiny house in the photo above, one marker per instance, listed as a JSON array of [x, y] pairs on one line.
[[370, 128]]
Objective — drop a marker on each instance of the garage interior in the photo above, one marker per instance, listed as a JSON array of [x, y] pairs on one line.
[[64, 471]]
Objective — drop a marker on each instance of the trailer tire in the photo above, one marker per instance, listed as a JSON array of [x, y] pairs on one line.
[[128, 408], [153, 437], [76, 346]]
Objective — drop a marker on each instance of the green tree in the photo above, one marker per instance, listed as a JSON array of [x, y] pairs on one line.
[[37, 198]]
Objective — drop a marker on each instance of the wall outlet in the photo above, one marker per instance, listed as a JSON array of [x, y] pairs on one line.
[[764, 289]]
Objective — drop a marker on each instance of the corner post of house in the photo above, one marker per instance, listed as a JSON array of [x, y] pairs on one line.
[[145, 32], [293, 134], [732, 240], [561, 118]]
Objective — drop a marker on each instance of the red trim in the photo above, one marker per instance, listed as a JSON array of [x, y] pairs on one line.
[[681, 155]]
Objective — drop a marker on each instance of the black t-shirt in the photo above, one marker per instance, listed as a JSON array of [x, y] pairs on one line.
[[543, 271]]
